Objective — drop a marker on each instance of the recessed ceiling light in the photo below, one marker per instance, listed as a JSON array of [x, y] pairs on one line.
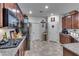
[[46, 7], [51, 14], [30, 12]]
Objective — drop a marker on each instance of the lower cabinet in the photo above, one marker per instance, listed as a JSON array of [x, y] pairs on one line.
[[22, 49], [17, 54], [64, 39], [67, 52]]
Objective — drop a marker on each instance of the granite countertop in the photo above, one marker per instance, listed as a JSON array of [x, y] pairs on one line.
[[73, 47], [11, 51], [7, 28], [77, 39]]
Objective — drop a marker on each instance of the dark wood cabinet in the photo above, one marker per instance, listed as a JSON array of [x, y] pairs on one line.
[[64, 39], [13, 8], [20, 16], [74, 40], [63, 22], [67, 52], [71, 21], [19, 13], [4, 13], [17, 53], [1, 15], [10, 5], [67, 22], [22, 49], [75, 21]]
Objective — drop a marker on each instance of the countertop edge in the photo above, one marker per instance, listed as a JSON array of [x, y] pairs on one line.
[[66, 46], [11, 49]]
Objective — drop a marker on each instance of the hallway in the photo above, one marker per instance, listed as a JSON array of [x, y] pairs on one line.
[[44, 48]]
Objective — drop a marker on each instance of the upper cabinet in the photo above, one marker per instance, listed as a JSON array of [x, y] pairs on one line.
[[1, 14], [71, 21], [10, 5], [64, 22], [19, 16], [13, 8], [67, 22], [19, 13], [75, 21]]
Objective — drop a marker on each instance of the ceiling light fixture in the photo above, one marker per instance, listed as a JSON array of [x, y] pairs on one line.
[[51, 14], [30, 12], [46, 7]]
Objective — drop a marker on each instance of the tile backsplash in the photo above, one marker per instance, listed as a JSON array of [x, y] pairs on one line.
[[73, 30]]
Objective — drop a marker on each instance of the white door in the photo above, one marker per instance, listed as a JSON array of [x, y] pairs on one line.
[[53, 32], [35, 31]]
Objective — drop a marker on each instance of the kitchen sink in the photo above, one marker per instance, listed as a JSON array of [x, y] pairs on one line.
[[11, 43]]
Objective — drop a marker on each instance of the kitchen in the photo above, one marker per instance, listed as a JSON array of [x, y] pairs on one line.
[[55, 34], [13, 36], [70, 35]]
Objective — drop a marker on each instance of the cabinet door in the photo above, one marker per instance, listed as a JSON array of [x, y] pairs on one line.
[[61, 39], [1, 15], [7, 5], [22, 17], [75, 21], [20, 51], [65, 39], [67, 52], [63, 22], [68, 22], [78, 20], [24, 47], [19, 15], [17, 54], [10, 5]]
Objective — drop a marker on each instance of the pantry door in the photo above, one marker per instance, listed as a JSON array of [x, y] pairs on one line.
[[35, 31]]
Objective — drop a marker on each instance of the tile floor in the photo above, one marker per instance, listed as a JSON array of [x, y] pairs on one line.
[[44, 48]]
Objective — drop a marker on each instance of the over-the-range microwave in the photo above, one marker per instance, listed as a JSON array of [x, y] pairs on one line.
[[9, 18]]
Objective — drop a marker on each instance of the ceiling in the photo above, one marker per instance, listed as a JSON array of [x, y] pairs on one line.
[[55, 8]]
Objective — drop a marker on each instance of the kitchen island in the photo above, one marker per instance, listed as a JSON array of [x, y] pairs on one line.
[[71, 49], [17, 51]]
